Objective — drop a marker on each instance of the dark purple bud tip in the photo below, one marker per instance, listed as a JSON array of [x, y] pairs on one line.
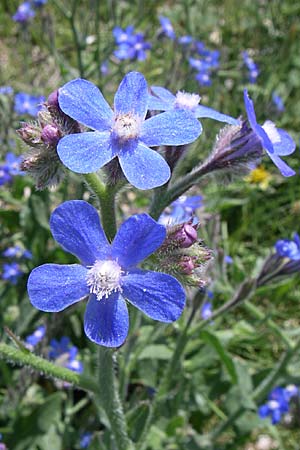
[[53, 99], [50, 135], [189, 235], [187, 265]]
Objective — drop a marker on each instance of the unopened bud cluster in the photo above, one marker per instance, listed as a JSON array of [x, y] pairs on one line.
[[42, 161], [184, 255]]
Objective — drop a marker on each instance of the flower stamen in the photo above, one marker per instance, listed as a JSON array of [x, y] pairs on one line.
[[103, 278]]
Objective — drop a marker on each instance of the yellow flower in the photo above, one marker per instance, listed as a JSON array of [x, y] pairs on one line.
[[259, 176]]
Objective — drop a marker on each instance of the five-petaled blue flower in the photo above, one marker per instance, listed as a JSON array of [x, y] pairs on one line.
[[123, 133], [278, 403], [164, 100], [289, 248], [28, 104], [274, 140], [108, 273]]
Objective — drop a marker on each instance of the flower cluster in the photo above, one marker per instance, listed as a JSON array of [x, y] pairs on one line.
[[26, 11], [12, 270], [108, 273], [205, 63], [10, 168], [130, 45], [28, 104], [17, 252], [6, 90], [253, 70], [278, 403]]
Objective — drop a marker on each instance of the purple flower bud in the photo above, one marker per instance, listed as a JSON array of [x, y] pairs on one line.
[[50, 135], [52, 100], [187, 265], [30, 134], [187, 235]]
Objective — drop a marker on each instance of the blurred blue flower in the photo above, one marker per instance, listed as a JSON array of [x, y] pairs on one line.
[[167, 27], [274, 140], [5, 176], [10, 168], [278, 403], [163, 100], [108, 273], [181, 210], [278, 102], [6, 90], [85, 439], [104, 69], [185, 40], [228, 259], [33, 339], [206, 310], [123, 133], [39, 3], [17, 252], [65, 354], [11, 272], [287, 248], [209, 61], [131, 45], [24, 13], [28, 104], [251, 66]]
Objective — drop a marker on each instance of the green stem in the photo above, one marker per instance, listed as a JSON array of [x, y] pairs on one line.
[[26, 358], [110, 400], [106, 197]]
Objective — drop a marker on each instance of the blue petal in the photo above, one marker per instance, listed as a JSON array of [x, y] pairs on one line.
[[144, 168], [171, 128], [285, 170], [106, 321], [249, 106], [204, 111], [286, 146], [266, 141], [75, 225], [85, 152], [83, 101], [132, 95], [158, 295], [54, 287], [163, 94], [137, 238], [156, 104]]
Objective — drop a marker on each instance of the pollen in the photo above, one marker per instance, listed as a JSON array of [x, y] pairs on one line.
[[184, 100], [103, 278], [127, 126]]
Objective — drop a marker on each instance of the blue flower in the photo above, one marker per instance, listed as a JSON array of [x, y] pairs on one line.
[[228, 259], [24, 13], [167, 27], [11, 272], [17, 252], [251, 66], [278, 102], [107, 274], [10, 168], [131, 45], [274, 140], [287, 248], [85, 439], [65, 354], [6, 90], [39, 3], [185, 40], [33, 339], [163, 100], [181, 210], [28, 104], [206, 310], [278, 403], [123, 133]]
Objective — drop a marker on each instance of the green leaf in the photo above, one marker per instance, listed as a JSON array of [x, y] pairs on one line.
[[156, 352], [212, 340], [136, 420]]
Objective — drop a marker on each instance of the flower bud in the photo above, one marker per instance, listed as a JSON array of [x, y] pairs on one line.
[[187, 264], [30, 134], [50, 135]]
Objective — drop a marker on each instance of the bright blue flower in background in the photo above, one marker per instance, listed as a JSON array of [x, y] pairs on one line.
[[228, 259], [167, 27], [28, 104], [278, 102], [24, 13], [206, 310], [251, 66], [274, 140], [10, 168], [131, 45], [182, 210], [289, 248], [11, 272], [278, 403], [5, 176], [39, 3], [108, 274], [65, 354], [185, 40], [6, 90], [163, 100], [123, 133], [85, 439], [17, 252], [33, 339]]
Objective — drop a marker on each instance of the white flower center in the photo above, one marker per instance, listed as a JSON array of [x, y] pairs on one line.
[[272, 132], [185, 100], [104, 278], [127, 126], [273, 404]]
